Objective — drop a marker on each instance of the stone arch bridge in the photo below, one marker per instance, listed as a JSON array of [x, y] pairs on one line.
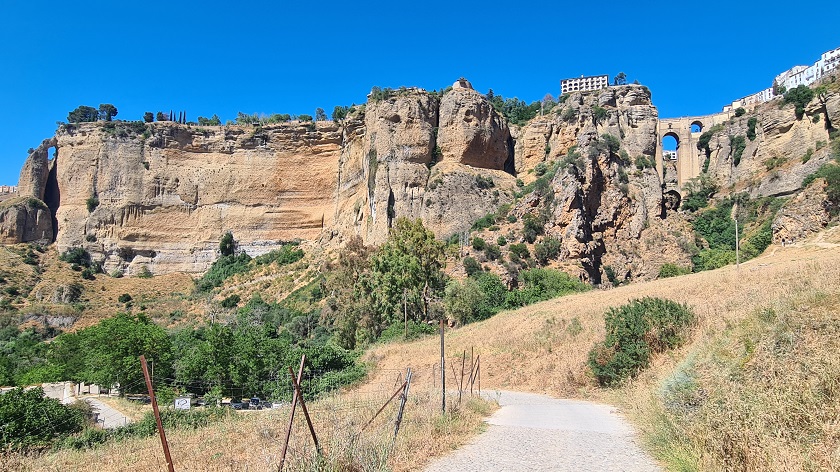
[[688, 159]]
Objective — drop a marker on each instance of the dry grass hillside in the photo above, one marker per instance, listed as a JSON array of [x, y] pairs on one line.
[[543, 347], [764, 350]]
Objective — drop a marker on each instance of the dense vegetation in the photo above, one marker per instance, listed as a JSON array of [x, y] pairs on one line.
[[716, 227], [635, 331]]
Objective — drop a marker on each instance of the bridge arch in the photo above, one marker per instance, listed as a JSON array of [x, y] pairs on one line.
[[696, 126]]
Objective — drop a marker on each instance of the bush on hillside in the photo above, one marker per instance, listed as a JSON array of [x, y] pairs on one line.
[[30, 420], [672, 270], [635, 331]]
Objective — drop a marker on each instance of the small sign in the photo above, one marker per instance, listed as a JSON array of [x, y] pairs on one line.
[[182, 403]]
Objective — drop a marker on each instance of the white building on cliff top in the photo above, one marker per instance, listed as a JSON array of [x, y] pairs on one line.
[[792, 78]]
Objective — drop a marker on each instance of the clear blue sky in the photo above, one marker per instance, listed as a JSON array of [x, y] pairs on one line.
[[290, 57]]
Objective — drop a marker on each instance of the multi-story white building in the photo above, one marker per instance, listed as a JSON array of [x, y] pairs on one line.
[[583, 84], [7, 189], [792, 78]]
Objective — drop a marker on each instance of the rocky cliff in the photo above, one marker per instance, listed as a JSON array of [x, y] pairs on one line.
[[161, 195]]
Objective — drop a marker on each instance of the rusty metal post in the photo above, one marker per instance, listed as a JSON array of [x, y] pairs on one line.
[[402, 387], [442, 372], [306, 413], [402, 406], [461, 381], [291, 415], [163, 442]]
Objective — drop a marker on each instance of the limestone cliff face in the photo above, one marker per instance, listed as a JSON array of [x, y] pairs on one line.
[[24, 219], [604, 210], [416, 156], [166, 198], [159, 196], [785, 150]]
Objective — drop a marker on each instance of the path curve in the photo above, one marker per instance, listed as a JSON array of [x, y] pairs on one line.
[[537, 432], [107, 416]]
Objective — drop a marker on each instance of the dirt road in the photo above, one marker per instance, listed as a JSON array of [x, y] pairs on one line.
[[535, 432]]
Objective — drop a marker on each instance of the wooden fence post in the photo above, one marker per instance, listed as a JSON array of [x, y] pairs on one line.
[[163, 442], [291, 415], [306, 412]]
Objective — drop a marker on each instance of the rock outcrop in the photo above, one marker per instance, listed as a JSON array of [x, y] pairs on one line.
[[803, 215], [393, 164], [25, 219]]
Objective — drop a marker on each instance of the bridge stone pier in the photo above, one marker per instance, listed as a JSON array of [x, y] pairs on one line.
[[686, 131]]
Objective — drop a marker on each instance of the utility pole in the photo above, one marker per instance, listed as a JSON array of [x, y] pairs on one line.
[[405, 314]]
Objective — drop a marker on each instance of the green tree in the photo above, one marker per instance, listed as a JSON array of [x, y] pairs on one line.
[[212, 121], [320, 114], [346, 302], [406, 268], [83, 114], [111, 350], [800, 97], [227, 245], [148, 117], [305, 117], [161, 116], [339, 113], [107, 111], [620, 79], [462, 300]]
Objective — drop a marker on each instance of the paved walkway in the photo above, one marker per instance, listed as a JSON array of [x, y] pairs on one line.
[[535, 432], [107, 417]]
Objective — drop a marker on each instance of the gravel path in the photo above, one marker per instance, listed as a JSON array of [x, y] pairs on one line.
[[536, 432]]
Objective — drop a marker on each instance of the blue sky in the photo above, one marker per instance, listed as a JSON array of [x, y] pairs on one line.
[[290, 57]]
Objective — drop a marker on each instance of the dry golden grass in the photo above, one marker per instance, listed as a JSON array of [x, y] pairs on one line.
[[254, 440], [541, 348]]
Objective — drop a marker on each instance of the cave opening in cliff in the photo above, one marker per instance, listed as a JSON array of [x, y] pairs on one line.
[[52, 196]]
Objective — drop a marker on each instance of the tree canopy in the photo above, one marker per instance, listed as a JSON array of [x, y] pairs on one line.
[[83, 114]]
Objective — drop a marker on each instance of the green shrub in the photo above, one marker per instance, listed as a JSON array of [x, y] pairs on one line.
[[800, 97], [672, 270], [519, 251], [287, 254], [543, 284], [710, 259], [31, 420], [540, 169], [124, 298], [501, 241], [599, 114], [484, 222], [221, 270], [92, 203], [492, 252], [751, 128], [831, 173], [807, 156], [642, 162], [737, 145], [483, 182], [740, 112], [76, 255], [471, 266], [546, 250], [532, 226], [635, 331], [231, 301], [478, 243]]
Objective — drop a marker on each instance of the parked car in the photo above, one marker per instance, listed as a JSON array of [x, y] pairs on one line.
[[255, 404]]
